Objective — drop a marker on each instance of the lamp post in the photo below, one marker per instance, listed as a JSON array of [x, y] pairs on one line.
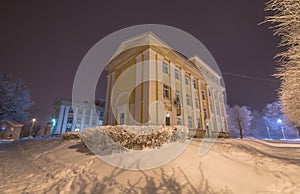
[[33, 122], [279, 121]]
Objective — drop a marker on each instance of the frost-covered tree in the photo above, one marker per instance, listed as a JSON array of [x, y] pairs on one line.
[[272, 114], [286, 24], [239, 120], [14, 99]]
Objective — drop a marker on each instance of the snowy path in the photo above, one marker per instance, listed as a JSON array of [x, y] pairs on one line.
[[232, 166]]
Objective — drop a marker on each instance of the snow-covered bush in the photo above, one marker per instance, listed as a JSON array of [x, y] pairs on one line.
[[70, 136], [181, 134], [121, 137]]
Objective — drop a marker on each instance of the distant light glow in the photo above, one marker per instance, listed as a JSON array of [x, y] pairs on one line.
[[168, 115], [34, 119], [279, 121], [53, 121], [3, 128]]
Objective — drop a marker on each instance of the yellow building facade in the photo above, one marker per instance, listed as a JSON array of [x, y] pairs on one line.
[[149, 83]]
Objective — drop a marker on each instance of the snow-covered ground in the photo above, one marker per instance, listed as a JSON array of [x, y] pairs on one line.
[[231, 166]]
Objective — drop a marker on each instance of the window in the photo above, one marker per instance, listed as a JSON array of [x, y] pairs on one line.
[[166, 68], [209, 92], [188, 100], [212, 108], [101, 113], [205, 113], [195, 84], [203, 94], [187, 81], [197, 102], [178, 94], [190, 122], [177, 74], [166, 91], [199, 123]]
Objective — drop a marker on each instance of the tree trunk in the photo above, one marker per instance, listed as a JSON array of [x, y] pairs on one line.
[[240, 128]]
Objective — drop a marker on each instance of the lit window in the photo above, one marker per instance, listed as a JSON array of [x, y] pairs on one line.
[[166, 91], [203, 95], [166, 68], [188, 100], [187, 81], [177, 74], [195, 84]]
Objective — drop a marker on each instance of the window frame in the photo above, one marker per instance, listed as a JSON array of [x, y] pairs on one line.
[[166, 67], [188, 100], [176, 72], [187, 80], [166, 91]]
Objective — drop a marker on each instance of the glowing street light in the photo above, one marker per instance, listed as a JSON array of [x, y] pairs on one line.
[[279, 121], [31, 129]]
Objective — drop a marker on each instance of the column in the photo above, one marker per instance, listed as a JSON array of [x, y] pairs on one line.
[[82, 119], [145, 77], [138, 92], [214, 98], [201, 105], [74, 118], [160, 115], [208, 111], [173, 117], [184, 104], [193, 101], [59, 121], [220, 112], [91, 118], [107, 101], [65, 119], [111, 116]]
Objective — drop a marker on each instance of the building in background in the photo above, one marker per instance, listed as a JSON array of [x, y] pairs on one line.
[[10, 129], [190, 91], [76, 116]]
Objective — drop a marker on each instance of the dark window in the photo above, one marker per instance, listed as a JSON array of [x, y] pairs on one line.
[[168, 121], [205, 113], [195, 84], [203, 94], [166, 91]]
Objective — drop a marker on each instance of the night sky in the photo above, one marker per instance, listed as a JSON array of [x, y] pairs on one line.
[[43, 42]]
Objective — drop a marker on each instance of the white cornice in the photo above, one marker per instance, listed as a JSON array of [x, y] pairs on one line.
[[199, 60]]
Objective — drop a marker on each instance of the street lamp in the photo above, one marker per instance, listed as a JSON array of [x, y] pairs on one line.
[[279, 121], [33, 122]]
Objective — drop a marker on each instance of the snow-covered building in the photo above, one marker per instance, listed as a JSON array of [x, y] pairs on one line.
[[76, 116], [10, 129], [146, 74]]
